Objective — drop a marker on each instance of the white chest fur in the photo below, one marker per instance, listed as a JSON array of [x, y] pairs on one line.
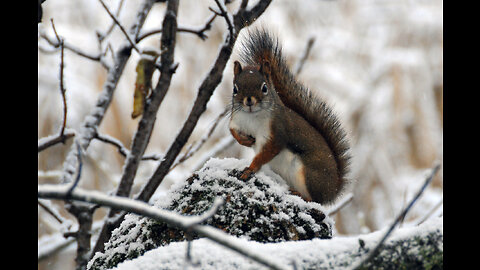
[[288, 165], [254, 124]]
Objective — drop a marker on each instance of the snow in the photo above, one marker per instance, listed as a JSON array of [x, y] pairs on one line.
[[45, 139], [217, 168], [244, 211], [380, 63], [213, 256]]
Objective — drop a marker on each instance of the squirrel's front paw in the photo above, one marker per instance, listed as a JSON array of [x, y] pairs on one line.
[[242, 138], [246, 140], [246, 173]]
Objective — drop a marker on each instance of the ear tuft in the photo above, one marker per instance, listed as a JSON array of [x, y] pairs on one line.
[[237, 68], [265, 68]]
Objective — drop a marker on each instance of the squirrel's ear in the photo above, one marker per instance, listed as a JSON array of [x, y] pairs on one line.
[[265, 67], [237, 68]]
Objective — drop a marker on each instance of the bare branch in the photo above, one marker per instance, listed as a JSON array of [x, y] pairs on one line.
[[52, 244], [48, 141], [304, 56], [93, 120], [244, 4], [101, 36], [62, 87], [122, 149], [195, 220], [242, 19], [87, 132], [219, 147], [225, 15], [51, 212], [345, 201], [188, 255], [79, 170], [199, 32], [245, 17], [68, 46], [173, 219], [431, 212], [145, 126], [374, 252], [114, 18], [194, 149]]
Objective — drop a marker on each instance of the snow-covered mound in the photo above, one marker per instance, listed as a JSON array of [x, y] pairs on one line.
[[419, 247], [260, 209]]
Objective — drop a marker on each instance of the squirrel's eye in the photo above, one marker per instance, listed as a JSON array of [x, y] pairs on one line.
[[264, 88], [235, 89]]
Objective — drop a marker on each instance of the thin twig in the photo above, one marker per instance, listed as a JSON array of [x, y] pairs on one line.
[[218, 202], [305, 54], [87, 131], [188, 254], [225, 15], [94, 119], [431, 212], [51, 212], [222, 145], [374, 252], [62, 87], [194, 149], [122, 149], [344, 202], [68, 46], [114, 18], [195, 220], [145, 126], [200, 32], [242, 19], [101, 36], [49, 141]]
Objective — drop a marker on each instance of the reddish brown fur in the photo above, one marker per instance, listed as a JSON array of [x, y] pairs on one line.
[[262, 51], [242, 139], [269, 150]]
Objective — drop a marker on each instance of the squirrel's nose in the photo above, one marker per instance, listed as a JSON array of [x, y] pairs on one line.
[[249, 101]]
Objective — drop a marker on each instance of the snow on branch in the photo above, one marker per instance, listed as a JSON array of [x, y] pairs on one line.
[[122, 149], [145, 126], [241, 19], [141, 208], [87, 132], [46, 142]]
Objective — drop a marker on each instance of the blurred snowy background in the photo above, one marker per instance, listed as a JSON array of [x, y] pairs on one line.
[[378, 63]]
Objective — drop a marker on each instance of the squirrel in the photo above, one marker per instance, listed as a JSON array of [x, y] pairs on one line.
[[290, 129]]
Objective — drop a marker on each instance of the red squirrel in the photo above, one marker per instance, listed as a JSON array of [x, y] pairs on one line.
[[290, 129]]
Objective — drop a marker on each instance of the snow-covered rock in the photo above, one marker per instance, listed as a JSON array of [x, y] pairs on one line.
[[415, 247], [260, 209]]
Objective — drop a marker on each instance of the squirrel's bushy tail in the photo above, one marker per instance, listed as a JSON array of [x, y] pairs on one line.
[[258, 46]]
